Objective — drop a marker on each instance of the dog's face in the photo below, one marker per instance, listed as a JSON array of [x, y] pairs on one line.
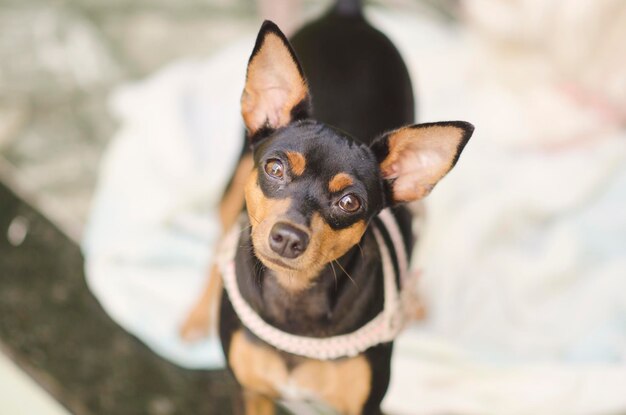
[[310, 197], [314, 189]]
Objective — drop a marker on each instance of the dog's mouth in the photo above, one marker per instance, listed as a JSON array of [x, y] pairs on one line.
[[275, 261]]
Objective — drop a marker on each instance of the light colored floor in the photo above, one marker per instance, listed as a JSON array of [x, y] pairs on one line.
[[21, 395]]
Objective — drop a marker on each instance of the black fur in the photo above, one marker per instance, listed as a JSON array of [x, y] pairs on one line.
[[357, 79]]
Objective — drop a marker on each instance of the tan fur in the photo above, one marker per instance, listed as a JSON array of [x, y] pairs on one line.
[[418, 158], [262, 210], [297, 162], [199, 322], [334, 243], [343, 384], [339, 182], [264, 213], [257, 367], [257, 404], [273, 86]]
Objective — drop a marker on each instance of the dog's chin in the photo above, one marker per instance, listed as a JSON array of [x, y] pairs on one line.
[[301, 268], [285, 266], [276, 264], [292, 278]]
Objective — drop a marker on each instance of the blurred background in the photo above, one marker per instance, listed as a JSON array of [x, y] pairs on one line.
[[523, 253]]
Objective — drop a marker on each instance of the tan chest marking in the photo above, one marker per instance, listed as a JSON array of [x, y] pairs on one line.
[[343, 384], [256, 367]]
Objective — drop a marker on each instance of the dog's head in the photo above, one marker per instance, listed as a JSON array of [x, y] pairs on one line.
[[314, 189]]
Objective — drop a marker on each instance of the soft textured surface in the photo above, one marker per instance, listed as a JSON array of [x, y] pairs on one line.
[[523, 254], [155, 222]]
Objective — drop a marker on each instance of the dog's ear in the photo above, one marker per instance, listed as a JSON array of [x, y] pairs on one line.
[[276, 92], [413, 159]]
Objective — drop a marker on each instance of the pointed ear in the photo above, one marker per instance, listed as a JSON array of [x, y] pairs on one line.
[[276, 92], [413, 159]]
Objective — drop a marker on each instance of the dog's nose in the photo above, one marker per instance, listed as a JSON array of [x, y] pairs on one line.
[[288, 241]]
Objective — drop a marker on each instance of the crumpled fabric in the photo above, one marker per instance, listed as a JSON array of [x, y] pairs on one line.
[[523, 254]]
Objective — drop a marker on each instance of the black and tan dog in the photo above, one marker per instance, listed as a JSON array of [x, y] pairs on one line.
[[308, 264]]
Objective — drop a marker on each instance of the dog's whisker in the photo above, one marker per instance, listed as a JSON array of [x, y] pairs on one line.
[[245, 228], [334, 273], [256, 269], [360, 249], [346, 272], [255, 219]]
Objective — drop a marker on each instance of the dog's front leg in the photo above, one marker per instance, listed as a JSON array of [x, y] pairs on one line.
[[199, 322], [257, 404]]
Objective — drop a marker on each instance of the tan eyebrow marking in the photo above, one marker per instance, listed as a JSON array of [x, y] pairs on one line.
[[339, 182], [297, 162]]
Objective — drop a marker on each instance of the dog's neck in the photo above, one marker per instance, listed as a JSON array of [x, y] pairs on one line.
[[345, 295]]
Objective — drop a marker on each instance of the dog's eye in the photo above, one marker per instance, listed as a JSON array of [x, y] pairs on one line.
[[274, 168], [349, 203]]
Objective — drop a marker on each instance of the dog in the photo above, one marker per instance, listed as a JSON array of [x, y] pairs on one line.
[[312, 270]]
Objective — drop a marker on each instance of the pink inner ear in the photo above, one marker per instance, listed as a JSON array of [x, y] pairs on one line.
[[273, 86], [267, 106], [419, 158], [416, 174]]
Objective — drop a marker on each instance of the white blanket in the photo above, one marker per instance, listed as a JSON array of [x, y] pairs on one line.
[[523, 255]]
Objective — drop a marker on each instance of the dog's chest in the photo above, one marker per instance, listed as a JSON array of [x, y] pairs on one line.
[[343, 384], [314, 308]]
